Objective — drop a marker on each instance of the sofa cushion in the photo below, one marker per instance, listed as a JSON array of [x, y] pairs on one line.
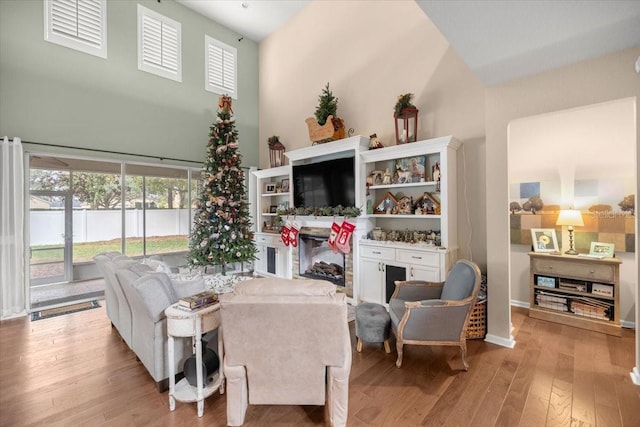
[[183, 287], [156, 293], [284, 287], [157, 265]]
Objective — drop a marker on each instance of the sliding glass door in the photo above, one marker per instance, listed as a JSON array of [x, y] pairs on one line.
[[50, 237]]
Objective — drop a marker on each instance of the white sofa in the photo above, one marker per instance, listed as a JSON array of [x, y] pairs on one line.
[[138, 296]]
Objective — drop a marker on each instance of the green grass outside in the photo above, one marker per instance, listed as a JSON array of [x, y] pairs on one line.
[[83, 252]]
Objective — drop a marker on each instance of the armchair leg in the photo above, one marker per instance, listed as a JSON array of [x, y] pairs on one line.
[[359, 346], [463, 353], [399, 349], [387, 348]]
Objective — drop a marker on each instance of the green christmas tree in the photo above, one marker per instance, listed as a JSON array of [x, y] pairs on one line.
[[328, 106], [221, 225]]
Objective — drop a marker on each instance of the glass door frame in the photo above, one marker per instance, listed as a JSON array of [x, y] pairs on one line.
[[67, 274]]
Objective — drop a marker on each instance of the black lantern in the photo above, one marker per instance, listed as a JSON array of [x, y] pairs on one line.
[[276, 152], [406, 125]]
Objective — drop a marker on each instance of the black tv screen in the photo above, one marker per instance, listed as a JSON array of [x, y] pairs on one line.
[[327, 183]]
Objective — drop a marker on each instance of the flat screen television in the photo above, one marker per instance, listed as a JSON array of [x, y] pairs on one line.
[[326, 183]]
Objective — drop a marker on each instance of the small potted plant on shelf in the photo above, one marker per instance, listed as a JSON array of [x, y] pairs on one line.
[[326, 126], [406, 119]]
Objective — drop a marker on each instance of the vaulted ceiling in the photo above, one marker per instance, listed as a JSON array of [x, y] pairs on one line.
[[500, 40]]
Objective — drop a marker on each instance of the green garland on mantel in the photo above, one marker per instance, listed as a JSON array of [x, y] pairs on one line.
[[339, 210]]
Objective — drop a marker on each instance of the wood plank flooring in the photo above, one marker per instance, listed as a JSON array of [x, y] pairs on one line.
[[74, 370]]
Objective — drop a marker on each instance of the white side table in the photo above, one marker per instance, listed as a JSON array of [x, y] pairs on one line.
[[183, 323]]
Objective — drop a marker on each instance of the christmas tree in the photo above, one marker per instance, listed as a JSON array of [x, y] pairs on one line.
[[328, 106], [221, 225]]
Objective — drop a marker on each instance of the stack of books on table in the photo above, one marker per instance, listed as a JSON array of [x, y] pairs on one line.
[[198, 300]]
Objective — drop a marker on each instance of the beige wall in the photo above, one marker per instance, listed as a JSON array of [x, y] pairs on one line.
[[602, 79], [371, 52]]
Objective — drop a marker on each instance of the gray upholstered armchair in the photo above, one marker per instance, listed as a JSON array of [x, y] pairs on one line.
[[428, 313]]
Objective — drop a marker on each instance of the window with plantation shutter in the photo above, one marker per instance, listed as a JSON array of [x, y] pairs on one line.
[[77, 24], [159, 44], [221, 69]]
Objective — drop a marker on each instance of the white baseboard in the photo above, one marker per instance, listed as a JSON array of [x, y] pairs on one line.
[[521, 304], [493, 339], [635, 376]]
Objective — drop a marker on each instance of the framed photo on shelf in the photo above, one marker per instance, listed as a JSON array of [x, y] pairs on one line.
[[602, 249], [269, 188], [284, 185], [273, 209], [411, 169], [544, 240]]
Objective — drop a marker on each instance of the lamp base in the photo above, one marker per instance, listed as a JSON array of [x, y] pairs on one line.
[[571, 252]]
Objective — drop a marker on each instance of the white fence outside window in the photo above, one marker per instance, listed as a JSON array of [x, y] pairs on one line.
[[47, 227]]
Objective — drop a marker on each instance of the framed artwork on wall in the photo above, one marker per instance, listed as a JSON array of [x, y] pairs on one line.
[[544, 240]]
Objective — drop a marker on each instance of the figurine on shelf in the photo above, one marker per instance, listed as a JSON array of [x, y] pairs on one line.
[[374, 142], [436, 175], [386, 179]]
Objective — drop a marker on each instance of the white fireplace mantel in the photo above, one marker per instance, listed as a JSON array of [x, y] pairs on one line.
[[330, 150]]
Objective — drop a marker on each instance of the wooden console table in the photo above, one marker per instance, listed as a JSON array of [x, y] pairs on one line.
[[576, 291]]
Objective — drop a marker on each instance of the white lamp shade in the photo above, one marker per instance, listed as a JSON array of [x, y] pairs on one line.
[[570, 217]]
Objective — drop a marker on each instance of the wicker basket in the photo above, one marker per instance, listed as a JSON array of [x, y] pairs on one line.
[[477, 327]]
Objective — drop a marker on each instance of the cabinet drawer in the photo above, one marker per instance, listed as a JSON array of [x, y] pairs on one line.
[[383, 254], [578, 270], [262, 239], [269, 239], [417, 257]]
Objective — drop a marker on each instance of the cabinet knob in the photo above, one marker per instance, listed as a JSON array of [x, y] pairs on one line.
[[376, 252], [416, 257]]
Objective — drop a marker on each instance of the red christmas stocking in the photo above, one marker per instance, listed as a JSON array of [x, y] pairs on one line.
[[342, 242], [293, 235], [284, 235], [333, 235]]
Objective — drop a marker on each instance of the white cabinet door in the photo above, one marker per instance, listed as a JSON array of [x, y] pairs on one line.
[[371, 280], [421, 272]]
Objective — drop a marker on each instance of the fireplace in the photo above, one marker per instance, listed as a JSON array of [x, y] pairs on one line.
[[317, 260], [314, 254]]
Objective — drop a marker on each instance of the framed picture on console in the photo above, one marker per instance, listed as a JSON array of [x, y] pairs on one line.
[[544, 240], [602, 249]]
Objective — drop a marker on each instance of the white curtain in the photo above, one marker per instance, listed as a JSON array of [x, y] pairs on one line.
[[12, 260]]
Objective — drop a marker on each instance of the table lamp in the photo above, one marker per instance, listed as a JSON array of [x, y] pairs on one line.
[[570, 218]]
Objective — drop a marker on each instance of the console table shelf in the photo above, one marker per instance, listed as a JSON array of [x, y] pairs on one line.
[[572, 290]]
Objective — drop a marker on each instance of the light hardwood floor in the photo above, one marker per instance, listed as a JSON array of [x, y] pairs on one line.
[[74, 370]]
